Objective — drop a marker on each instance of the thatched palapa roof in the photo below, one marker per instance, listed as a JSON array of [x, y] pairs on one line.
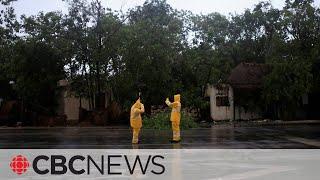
[[248, 75]]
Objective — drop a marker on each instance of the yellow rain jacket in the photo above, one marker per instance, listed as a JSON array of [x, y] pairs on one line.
[[135, 115], [176, 108], [175, 117]]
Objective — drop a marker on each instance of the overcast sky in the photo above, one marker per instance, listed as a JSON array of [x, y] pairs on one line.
[[31, 7]]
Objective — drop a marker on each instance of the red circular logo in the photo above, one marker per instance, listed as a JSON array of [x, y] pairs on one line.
[[19, 164]]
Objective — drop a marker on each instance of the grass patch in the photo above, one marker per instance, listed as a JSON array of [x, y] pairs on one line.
[[161, 121]]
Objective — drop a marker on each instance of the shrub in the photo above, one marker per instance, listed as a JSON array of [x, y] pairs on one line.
[[161, 121]]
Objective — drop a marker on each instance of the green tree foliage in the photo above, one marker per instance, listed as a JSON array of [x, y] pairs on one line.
[[159, 51], [297, 55], [95, 39], [9, 26], [36, 72], [153, 46], [286, 85]]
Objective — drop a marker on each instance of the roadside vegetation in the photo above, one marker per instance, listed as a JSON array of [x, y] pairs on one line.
[[161, 121]]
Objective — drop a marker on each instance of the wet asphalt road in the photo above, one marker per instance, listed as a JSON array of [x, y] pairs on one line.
[[221, 137]]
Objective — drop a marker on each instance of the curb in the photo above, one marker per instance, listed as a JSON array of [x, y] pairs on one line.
[[277, 123]]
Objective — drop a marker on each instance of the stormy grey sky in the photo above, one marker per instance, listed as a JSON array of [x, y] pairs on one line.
[[32, 7]]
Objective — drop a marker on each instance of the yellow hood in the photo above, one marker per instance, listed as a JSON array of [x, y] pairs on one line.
[[137, 104], [177, 97]]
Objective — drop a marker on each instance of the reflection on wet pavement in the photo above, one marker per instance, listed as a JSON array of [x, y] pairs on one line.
[[225, 137]]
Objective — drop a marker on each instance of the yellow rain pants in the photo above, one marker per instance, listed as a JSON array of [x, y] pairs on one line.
[[135, 120]]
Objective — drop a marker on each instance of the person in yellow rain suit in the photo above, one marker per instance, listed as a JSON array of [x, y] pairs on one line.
[[175, 117], [135, 120]]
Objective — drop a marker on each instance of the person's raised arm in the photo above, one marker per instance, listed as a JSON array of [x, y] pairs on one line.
[[168, 102], [139, 110], [142, 108]]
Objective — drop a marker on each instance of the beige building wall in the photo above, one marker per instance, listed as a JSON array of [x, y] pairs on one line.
[[228, 112], [220, 112], [69, 104]]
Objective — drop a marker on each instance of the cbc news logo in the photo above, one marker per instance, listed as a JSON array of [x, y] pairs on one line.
[[104, 164], [19, 164]]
